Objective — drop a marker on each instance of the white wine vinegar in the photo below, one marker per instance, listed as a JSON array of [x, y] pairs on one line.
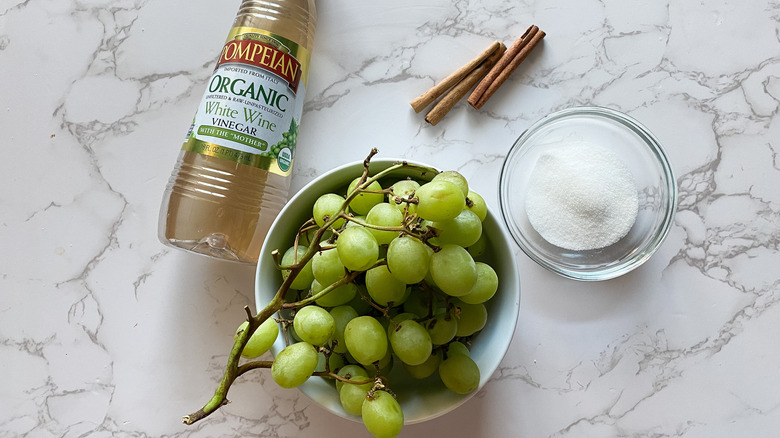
[[233, 173]]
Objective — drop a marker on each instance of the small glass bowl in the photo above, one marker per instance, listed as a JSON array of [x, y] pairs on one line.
[[640, 152]]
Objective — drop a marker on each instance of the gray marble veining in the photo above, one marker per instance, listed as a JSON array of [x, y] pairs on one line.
[[103, 332]]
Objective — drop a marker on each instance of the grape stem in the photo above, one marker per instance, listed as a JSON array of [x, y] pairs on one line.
[[405, 228], [233, 368], [382, 310], [335, 376], [400, 228], [347, 278]]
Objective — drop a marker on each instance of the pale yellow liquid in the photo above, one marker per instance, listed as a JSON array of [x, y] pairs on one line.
[[220, 208]]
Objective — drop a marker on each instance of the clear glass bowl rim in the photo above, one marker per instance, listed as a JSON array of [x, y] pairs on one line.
[[643, 254]]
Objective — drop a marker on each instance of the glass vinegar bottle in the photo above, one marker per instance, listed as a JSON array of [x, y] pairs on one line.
[[233, 173]]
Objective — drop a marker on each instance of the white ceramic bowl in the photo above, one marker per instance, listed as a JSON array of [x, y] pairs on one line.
[[425, 399], [635, 146]]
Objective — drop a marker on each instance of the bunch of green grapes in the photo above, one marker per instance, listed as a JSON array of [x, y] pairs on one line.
[[417, 294], [289, 140]]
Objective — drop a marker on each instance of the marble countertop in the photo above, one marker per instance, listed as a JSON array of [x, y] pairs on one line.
[[106, 332]]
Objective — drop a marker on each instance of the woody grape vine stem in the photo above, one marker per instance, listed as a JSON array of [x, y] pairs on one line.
[[233, 368]]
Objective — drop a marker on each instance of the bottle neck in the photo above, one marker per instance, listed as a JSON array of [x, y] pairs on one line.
[[292, 19]]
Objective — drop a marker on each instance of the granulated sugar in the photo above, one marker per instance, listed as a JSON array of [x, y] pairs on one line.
[[581, 197]]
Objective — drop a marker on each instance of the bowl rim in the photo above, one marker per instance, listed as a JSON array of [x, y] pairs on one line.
[[648, 139], [315, 391]]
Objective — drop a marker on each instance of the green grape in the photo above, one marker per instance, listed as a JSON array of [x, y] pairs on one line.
[[411, 342], [476, 203], [261, 340], [294, 364], [457, 347], [304, 278], [352, 396], [314, 325], [408, 259], [453, 270], [485, 286], [384, 215], [382, 415], [336, 297], [430, 250], [459, 373], [357, 248], [455, 178], [335, 362], [401, 191], [364, 201], [428, 280], [352, 372], [425, 369], [478, 249], [385, 364], [442, 327], [326, 266], [358, 222], [472, 318], [341, 316], [366, 340], [328, 205], [464, 230], [397, 319], [383, 287], [439, 200]]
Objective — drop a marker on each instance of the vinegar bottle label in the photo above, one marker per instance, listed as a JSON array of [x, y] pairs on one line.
[[252, 106]]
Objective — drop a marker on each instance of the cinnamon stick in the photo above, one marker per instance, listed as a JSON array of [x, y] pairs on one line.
[[505, 66], [510, 53], [429, 96], [460, 89]]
